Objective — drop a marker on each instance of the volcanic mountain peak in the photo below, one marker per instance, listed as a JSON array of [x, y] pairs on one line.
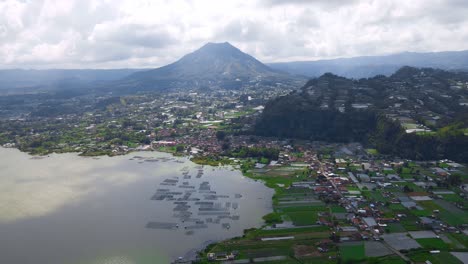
[[214, 62]]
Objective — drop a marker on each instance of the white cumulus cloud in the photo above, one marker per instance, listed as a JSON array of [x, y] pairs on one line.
[[151, 33]]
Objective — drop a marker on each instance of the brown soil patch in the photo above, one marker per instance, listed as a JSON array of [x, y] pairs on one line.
[[301, 251]]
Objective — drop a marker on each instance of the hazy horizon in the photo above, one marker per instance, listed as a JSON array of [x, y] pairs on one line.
[[291, 61]]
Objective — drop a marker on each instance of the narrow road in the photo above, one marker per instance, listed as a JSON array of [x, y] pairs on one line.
[[322, 171]]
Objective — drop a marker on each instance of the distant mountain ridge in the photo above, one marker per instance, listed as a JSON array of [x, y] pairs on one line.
[[369, 66], [221, 65], [214, 64]]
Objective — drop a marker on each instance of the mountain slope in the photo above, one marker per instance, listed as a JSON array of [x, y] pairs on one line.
[[368, 66], [214, 64]]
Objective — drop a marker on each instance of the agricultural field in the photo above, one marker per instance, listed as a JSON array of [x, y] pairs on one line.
[[455, 198], [395, 228], [337, 209], [421, 256], [447, 212], [460, 240], [352, 252], [302, 215], [433, 243], [302, 247], [306, 218]]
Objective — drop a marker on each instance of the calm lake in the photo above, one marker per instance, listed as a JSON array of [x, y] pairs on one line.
[[145, 207]]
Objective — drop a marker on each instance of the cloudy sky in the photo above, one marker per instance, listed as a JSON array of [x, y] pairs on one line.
[[152, 33]]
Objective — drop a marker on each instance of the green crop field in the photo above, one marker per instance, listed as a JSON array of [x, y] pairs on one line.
[[323, 230], [410, 223], [396, 207], [352, 252], [390, 260], [395, 228], [337, 209], [452, 197], [433, 243], [461, 239], [372, 151], [451, 216], [406, 170], [302, 218], [318, 208], [421, 256]]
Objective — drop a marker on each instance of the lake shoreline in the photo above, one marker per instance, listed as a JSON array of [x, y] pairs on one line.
[[127, 160]]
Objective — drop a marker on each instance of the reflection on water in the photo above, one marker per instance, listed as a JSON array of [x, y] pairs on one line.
[[70, 209]]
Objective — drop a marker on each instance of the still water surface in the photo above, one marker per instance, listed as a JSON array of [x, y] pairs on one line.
[[69, 209]]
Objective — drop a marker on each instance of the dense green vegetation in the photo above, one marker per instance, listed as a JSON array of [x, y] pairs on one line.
[[448, 142], [287, 118], [297, 116], [272, 218]]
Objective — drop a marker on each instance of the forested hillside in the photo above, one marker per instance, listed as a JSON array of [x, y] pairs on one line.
[[415, 113]]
